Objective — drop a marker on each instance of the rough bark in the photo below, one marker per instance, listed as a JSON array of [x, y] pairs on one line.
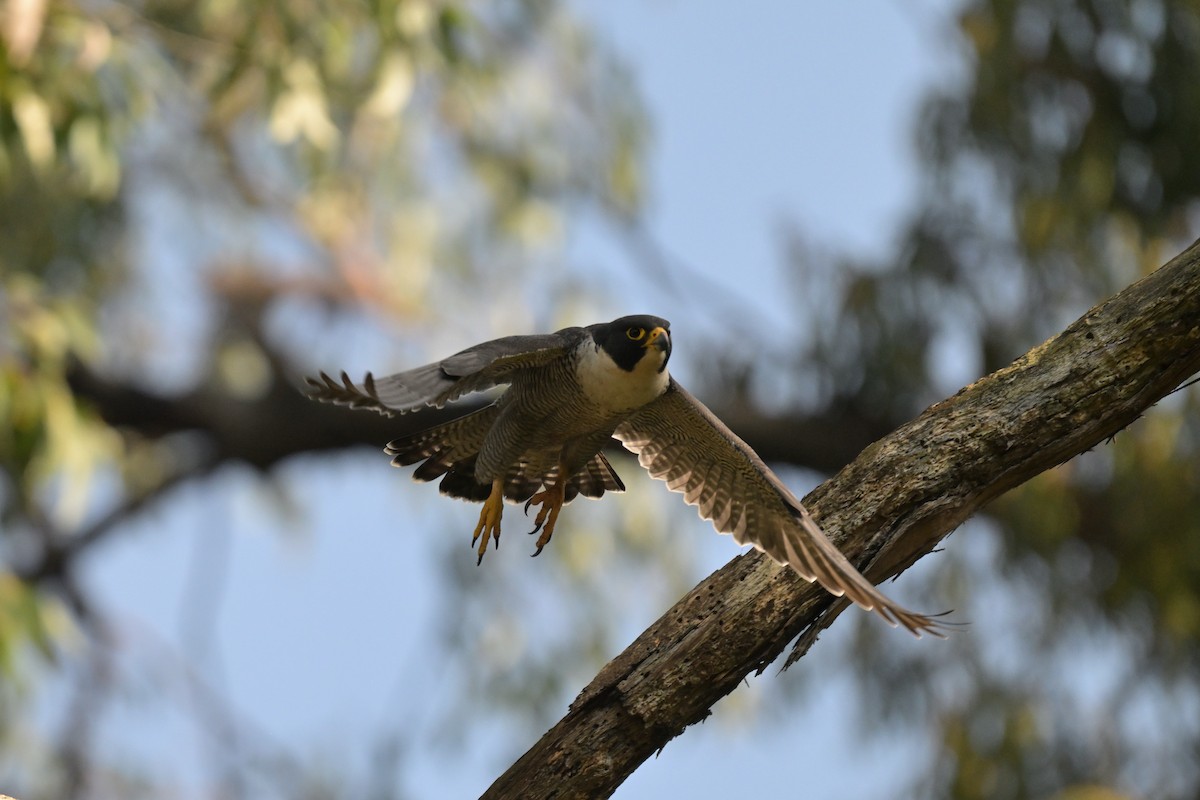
[[891, 506]]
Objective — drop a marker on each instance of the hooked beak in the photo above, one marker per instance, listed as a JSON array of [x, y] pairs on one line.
[[660, 338]]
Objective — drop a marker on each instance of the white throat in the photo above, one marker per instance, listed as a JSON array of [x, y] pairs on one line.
[[614, 390]]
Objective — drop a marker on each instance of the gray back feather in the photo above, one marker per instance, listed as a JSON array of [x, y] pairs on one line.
[[473, 370]]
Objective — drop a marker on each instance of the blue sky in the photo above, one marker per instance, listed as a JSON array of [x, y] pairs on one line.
[[761, 113], [765, 112]]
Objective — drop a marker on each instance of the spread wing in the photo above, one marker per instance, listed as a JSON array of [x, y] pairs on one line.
[[678, 440], [472, 370]]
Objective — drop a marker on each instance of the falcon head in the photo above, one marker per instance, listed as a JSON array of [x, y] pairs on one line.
[[640, 342]]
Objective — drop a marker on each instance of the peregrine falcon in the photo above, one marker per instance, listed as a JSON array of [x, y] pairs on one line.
[[541, 443]]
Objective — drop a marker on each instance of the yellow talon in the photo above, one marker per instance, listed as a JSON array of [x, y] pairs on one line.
[[489, 519], [551, 502]]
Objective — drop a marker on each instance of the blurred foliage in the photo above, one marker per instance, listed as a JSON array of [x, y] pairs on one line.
[[205, 194]]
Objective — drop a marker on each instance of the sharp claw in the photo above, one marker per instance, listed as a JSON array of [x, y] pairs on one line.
[[550, 500], [489, 522]]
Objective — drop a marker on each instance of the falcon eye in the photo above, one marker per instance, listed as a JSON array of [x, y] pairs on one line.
[[635, 334]]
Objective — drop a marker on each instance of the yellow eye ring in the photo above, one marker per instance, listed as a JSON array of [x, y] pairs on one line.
[[636, 334]]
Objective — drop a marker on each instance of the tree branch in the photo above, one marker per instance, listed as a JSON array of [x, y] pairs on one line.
[[265, 430], [888, 508]]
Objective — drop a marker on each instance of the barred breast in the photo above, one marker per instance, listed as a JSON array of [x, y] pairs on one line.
[[575, 402]]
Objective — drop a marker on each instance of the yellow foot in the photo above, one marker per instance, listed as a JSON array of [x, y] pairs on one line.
[[489, 519], [551, 502]]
